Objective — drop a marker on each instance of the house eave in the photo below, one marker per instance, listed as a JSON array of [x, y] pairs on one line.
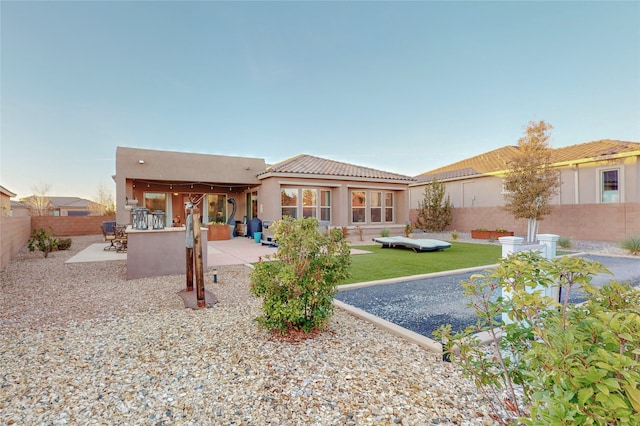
[[268, 174]]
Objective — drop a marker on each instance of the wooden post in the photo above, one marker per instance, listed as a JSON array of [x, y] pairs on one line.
[[189, 268], [189, 245], [197, 245]]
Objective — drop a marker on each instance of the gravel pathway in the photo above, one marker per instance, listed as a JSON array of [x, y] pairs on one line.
[[82, 345]]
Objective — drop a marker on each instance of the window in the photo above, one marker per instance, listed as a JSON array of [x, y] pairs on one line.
[[372, 207], [216, 208], [610, 186], [289, 202], [325, 205], [388, 207], [309, 203], [358, 206], [155, 201], [376, 206], [252, 205]]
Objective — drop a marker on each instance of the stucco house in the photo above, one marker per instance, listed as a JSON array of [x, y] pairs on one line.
[[5, 201], [60, 206], [339, 194], [599, 195]]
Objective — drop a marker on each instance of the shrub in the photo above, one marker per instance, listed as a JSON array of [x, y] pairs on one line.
[[565, 242], [64, 244], [573, 364], [345, 232], [43, 241], [408, 229], [631, 243], [385, 232], [455, 235], [435, 210], [298, 286]]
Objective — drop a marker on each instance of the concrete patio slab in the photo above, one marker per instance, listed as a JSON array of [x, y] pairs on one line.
[[96, 253], [236, 251], [241, 251]]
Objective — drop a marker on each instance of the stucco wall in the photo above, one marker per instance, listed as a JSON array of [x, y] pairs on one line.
[[601, 222], [14, 234], [63, 226], [580, 184]]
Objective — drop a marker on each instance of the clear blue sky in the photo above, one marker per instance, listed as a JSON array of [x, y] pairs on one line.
[[399, 86]]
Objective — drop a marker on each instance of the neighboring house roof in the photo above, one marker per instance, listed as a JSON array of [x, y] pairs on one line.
[[480, 164], [595, 150], [69, 202], [305, 164], [65, 202], [6, 192], [18, 205], [498, 159]]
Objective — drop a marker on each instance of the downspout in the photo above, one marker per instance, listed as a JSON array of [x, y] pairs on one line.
[[576, 185]]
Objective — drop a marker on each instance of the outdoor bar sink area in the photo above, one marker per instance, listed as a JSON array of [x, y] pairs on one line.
[[156, 250]]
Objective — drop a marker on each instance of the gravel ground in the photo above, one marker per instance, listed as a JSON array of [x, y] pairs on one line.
[[82, 345]]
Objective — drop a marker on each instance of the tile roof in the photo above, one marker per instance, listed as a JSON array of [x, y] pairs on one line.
[[310, 165], [478, 165], [58, 202], [593, 150], [496, 160]]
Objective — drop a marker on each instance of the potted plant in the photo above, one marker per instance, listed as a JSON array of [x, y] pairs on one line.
[[217, 231], [486, 234]]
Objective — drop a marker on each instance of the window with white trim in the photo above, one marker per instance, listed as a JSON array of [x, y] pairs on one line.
[[304, 202], [309, 202], [358, 206], [325, 205], [372, 207], [376, 206], [289, 202], [610, 186], [388, 207]]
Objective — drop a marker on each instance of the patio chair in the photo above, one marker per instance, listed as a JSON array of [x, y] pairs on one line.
[[120, 240], [109, 234]]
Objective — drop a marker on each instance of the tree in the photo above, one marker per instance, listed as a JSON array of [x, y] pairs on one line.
[[531, 180], [434, 211], [103, 202], [38, 203]]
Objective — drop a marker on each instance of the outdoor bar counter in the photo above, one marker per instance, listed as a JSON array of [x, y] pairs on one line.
[[157, 252]]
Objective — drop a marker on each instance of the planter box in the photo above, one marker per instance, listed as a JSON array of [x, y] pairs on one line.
[[217, 232], [487, 235]]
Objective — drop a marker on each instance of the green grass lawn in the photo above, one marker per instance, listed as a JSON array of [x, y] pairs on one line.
[[398, 262]]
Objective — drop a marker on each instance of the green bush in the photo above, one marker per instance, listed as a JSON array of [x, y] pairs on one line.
[[565, 242], [385, 233], [455, 235], [43, 241], [574, 364], [298, 286], [631, 243], [64, 244]]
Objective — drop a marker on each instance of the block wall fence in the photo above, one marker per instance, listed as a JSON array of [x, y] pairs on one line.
[[14, 234], [15, 231], [67, 226], [598, 222]]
